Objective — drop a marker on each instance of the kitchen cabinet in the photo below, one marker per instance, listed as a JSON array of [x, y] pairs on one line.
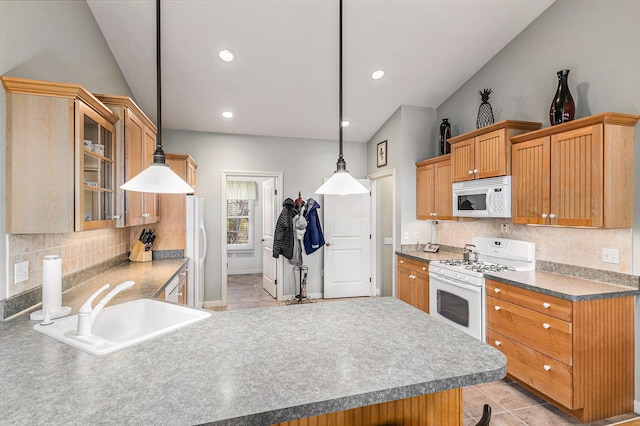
[[60, 168], [486, 152], [136, 141], [183, 289], [433, 189], [578, 173], [413, 282], [576, 354], [171, 229]]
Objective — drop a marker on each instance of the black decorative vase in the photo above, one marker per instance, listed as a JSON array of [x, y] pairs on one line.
[[445, 134], [562, 107]]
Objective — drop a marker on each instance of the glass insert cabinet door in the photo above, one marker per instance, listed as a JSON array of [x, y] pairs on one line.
[[95, 197]]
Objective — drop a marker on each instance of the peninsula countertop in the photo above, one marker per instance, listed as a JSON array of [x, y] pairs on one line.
[[250, 366]]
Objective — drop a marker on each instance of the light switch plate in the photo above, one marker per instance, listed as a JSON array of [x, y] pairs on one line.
[[610, 255], [21, 271]]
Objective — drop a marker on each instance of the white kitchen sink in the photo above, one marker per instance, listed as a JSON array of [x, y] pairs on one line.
[[120, 326]]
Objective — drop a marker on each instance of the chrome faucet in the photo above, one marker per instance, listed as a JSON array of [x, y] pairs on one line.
[[87, 314]]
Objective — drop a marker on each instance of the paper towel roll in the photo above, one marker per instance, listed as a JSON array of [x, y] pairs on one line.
[[52, 283]]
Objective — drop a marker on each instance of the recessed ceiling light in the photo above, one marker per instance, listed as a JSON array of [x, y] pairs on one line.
[[345, 123], [225, 55], [227, 114], [377, 75]]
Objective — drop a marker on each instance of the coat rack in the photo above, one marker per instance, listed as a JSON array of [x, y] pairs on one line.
[[300, 271]]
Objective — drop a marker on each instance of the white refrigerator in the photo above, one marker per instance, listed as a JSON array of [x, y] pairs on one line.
[[196, 250]]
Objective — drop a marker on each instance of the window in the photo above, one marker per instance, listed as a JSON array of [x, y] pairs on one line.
[[240, 224], [240, 215]]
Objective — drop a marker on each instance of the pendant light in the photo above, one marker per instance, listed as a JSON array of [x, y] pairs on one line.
[[158, 177], [341, 182]]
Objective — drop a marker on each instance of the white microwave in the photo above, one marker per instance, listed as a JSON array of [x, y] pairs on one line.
[[490, 197]]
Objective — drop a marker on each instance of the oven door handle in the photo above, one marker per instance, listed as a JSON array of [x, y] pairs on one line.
[[455, 283]]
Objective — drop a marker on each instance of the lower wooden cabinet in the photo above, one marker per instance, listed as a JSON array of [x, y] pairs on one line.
[[413, 282], [576, 354]]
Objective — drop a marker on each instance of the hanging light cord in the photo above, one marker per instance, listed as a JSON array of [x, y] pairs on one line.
[[341, 165], [159, 156]]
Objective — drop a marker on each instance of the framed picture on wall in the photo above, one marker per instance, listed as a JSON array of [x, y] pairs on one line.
[[381, 153]]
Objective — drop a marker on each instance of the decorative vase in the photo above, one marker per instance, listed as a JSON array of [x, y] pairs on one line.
[[485, 112], [445, 134], [562, 107]]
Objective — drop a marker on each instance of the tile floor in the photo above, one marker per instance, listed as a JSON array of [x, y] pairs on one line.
[[511, 404]]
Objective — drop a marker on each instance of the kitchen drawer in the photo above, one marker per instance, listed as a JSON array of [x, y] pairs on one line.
[[543, 303], [414, 265], [543, 333], [537, 370]]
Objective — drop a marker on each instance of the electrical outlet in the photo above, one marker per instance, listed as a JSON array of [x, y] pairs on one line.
[[505, 228], [610, 255], [416, 235], [405, 236], [21, 271]]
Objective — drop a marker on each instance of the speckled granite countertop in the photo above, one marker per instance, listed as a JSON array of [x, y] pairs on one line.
[[248, 366], [554, 284], [563, 286], [150, 279]]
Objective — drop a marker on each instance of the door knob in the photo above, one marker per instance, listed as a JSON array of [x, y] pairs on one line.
[[327, 244]]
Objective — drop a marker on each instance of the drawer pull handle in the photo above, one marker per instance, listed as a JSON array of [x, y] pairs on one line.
[[547, 367], [497, 308], [546, 305], [546, 325], [497, 290], [498, 342]]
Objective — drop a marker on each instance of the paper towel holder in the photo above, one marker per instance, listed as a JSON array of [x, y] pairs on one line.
[[51, 290]]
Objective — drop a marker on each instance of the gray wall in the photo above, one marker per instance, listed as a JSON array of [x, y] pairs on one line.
[[55, 41], [304, 164], [598, 42]]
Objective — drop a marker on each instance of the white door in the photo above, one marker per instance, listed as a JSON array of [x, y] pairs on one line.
[[269, 263], [347, 251]]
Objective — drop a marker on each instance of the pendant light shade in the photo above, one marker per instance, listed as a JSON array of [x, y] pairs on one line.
[[158, 177], [341, 182]]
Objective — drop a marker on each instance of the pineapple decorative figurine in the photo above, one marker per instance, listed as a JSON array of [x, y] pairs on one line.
[[485, 112]]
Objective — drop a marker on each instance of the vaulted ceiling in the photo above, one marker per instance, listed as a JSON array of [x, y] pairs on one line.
[[284, 78]]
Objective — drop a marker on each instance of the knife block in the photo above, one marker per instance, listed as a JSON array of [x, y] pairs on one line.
[[138, 254]]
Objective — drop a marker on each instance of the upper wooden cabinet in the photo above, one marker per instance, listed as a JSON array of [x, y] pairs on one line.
[[171, 229], [486, 152], [433, 189], [136, 141], [60, 158], [578, 173]]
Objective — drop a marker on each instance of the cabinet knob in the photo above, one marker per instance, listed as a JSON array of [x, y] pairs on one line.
[[424, 268], [475, 171], [116, 216], [544, 215], [546, 326], [401, 262], [498, 342], [547, 367], [546, 305], [552, 216], [497, 308], [470, 172], [497, 290], [179, 294], [413, 277], [146, 215]]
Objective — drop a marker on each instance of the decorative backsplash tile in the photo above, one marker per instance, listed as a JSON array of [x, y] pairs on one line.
[[79, 251]]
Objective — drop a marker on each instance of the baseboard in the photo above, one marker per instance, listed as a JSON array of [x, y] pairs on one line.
[[636, 407], [244, 271], [212, 304], [288, 297]]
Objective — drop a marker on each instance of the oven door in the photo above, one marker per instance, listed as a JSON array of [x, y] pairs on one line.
[[458, 304]]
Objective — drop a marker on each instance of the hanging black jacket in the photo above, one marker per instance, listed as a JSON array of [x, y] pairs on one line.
[[284, 234]]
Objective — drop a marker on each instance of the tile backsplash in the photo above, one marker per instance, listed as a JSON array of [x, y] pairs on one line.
[[571, 246], [79, 250]]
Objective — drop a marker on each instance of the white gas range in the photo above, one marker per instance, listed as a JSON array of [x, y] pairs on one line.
[[456, 287]]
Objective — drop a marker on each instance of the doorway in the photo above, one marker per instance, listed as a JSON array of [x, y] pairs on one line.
[[248, 218], [383, 231]]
